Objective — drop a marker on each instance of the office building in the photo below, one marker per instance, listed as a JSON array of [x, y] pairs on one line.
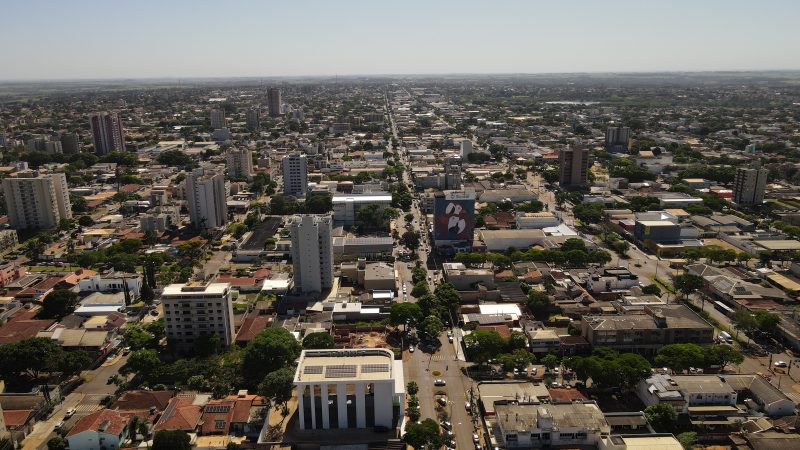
[[206, 198], [312, 252], [108, 135], [346, 206], [749, 185], [569, 425], [274, 102], [35, 201], [617, 139], [574, 162], [194, 310], [454, 220], [295, 175], [251, 119], [240, 163], [466, 148], [70, 143], [452, 173], [217, 119], [352, 388]]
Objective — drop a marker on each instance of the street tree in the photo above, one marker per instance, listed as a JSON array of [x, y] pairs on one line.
[[402, 313], [539, 304], [483, 345], [424, 435], [277, 386], [171, 440], [432, 326], [687, 283], [270, 350], [680, 357], [721, 355], [662, 416], [319, 340]]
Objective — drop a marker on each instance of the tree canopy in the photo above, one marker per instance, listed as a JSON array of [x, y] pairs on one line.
[[270, 350], [319, 340]]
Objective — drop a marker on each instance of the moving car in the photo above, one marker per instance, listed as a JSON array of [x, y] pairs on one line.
[[70, 412]]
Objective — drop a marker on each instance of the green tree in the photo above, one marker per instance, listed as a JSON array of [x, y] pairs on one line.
[[412, 388], [516, 340], [57, 443], [539, 304], [278, 386], [401, 313], [171, 440], [420, 289], [58, 303], [550, 361], [680, 357], [662, 416], [518, 359], [270, 350], [483, 345], [29, 358], [447, 296], [588, 213], [424, 435], [652, 289], [722, 355], [72, 362], [432, 326], [688, 283], [143, 361], [410, 239], [319, 340], [146, 294], [687, 439]]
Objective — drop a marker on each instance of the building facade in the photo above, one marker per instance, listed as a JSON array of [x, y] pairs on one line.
[[312, 252], [217, 119], [193, 310], [345, 207], [749, 185], [570, 425], [251, 119], [617, 139], [108, 134], [574, 166], [274, 102], [206, 198], [295, 175], [335, 386], [36, 201], [113, 282], [240, 163]]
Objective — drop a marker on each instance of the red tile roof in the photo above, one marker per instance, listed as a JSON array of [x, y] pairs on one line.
[[218, 415], [565, 395], [180, 414], [143, 400], [16, 418], [251, 327], [110, 421], [19, 330], [502, 330]]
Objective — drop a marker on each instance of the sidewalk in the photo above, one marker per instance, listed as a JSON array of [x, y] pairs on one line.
[[38, 438]]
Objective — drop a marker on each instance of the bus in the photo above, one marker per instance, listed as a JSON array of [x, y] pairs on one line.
[[723, 308]]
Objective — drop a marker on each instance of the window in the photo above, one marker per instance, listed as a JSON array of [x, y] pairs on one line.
[[511, 437], [580, 435], [219, 424]]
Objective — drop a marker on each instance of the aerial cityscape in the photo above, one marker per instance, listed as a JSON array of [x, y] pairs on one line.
[[502, 257]]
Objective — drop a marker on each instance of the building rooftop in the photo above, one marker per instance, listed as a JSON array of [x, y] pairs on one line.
[[343, 365], [195, 289], [523, 418]]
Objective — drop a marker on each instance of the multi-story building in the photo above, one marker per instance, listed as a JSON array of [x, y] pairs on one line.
[[113, 282], [574, 162], [274, 102], [206, 198], [617, 139], [70, 143], [240, 163], [108, 135], [647, 333], [312, 252], [454, 220], [194, 310], [251, 119], [569, 425], [295, 174], [466, 148], [749, 185], [217, 119], [345, 207], [353, 388], [36, 201]]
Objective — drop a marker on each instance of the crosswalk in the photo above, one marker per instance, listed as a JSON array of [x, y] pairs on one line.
[[86, 409], [438, 358]]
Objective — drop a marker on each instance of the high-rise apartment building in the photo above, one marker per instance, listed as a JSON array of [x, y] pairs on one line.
[[240, 163], [70, 143], [295, 175], [312, 252], [574, 163], [217, 119], [466, 148], [749, 185], [206, 198], [36, 201], [251, 119], [108, 135], [617, 139], [274, 102], [194, 310]]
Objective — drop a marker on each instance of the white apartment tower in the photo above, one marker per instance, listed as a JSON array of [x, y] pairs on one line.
[[749, 185], [206, 198], [466, 148], [240, 163], [312, 252], [295, 175], [194, 310], [36, 201], [217, 119]]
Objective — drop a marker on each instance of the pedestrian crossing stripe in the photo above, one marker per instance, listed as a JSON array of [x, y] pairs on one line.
[[437, 358], [86, 408]]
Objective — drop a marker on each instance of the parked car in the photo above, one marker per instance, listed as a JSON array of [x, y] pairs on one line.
[[781, 364], [70, 412], [59, 425], [439, 382]]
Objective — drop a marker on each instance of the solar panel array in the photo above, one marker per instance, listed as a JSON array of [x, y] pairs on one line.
[[374, 368], [313, 370], [218, 409], [340, 371]]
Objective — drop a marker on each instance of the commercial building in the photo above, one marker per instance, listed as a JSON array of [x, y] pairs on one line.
[[274, 102], [240, 163], [749, 185], [36, 201], [108, 134], [617, 139], [217, 119], [338, 389], [646, 333], [295, 174], [574, 166], [657, 231], [312, 252], [465, 279], [194, 310], [345, 207], [251, 119], [454, 220], [574, 424], [205, 198], [536, 221]]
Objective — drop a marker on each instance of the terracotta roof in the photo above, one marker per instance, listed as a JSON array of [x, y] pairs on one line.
[[18, 330], [251, 327], [565, 395], [131, 188], [238, 281], [109, 421], [218, 415], [48, 283], [77, 276], [143, 400], [180, 414], [16, 417], [502, 330], [262, 273]]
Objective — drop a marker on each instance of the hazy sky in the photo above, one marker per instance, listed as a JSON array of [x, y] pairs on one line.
[[61, 39]]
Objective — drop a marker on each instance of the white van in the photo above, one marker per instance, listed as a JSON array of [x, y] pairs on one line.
[[724, 336]]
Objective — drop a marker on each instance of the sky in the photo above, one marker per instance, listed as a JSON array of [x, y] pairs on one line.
[[90, 39]]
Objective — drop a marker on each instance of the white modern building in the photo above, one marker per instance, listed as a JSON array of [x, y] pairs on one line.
[[295, 175], [749, 185], [312, 252], [205, 198], [193, 310], [345, 207], [240, 163], [37, 201], [217, 119], [113, 282], [334, 386]]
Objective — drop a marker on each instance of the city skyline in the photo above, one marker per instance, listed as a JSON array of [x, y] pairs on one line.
[[179, 39]]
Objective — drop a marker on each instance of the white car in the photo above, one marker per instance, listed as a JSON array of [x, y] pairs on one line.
[[70, 412], [411, 349], [439, 382], [781, 364]]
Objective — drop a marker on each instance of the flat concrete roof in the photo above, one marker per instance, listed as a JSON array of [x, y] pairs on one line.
[[199, 290], [334, 366]]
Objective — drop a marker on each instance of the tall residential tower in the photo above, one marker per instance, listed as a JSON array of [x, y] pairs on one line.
[[206, 198], [295, 175], [36, 201], [108, 134], [749, 185], [312, 252]]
